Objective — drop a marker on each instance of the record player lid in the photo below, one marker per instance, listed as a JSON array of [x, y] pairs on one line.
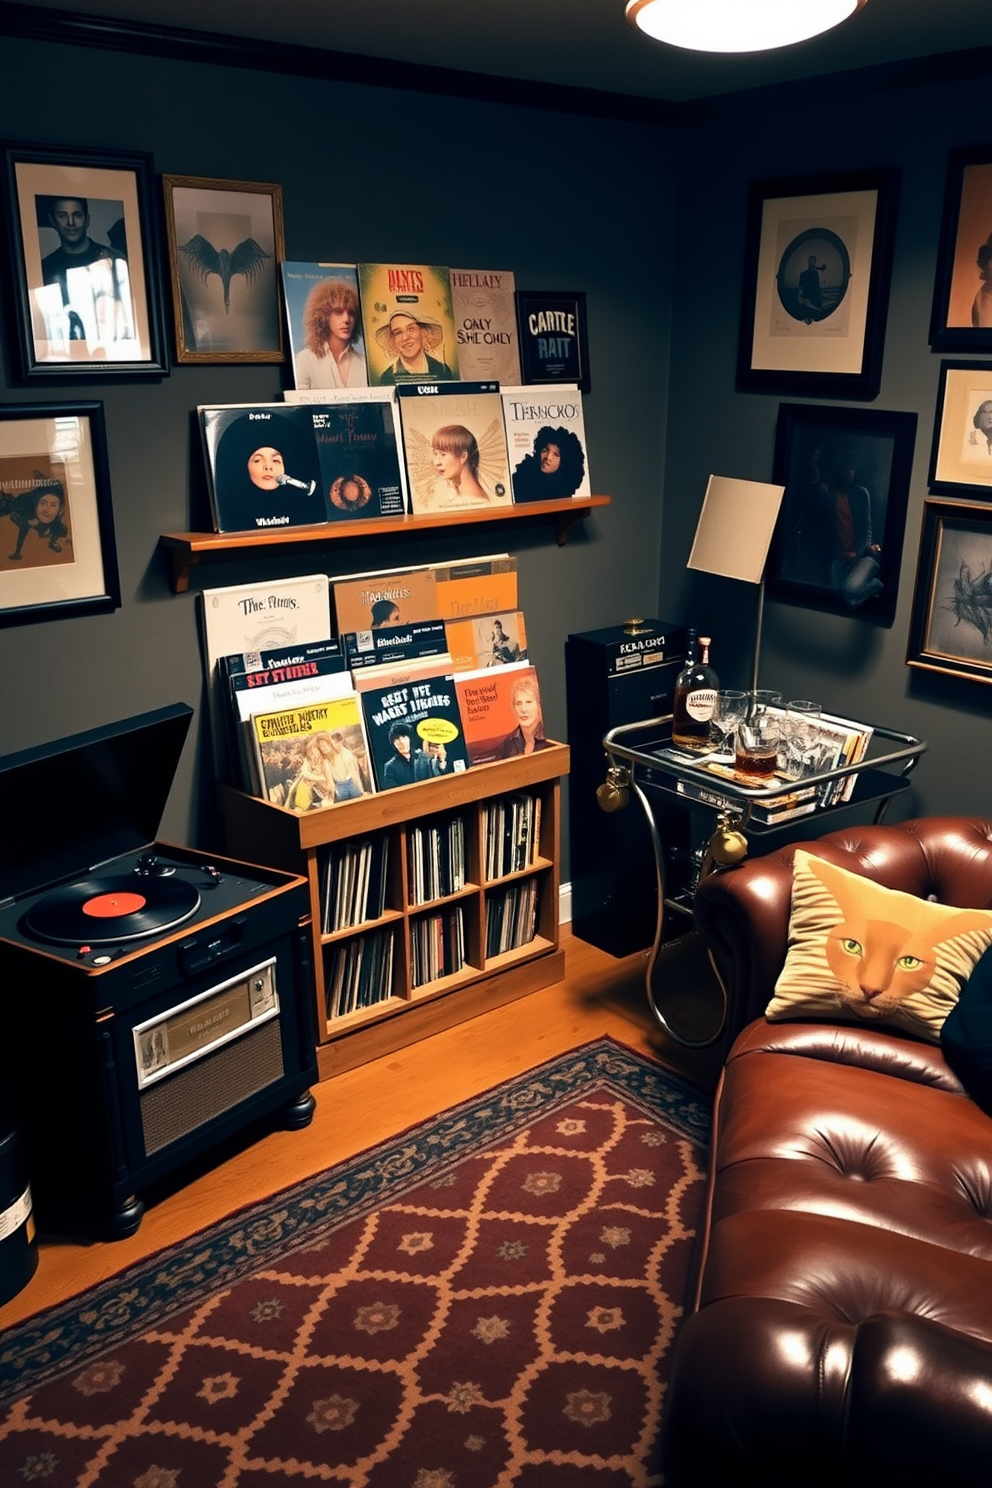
[[86, 799]]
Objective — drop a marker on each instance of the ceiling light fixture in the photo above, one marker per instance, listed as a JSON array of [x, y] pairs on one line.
[[737, 25]]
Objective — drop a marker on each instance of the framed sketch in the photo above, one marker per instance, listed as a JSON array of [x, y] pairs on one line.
[[961, 319], [554, 342], [84, 260], [961, 456], [837, 544], [225, 245], [951, 626], [57, 553], [817, 264]]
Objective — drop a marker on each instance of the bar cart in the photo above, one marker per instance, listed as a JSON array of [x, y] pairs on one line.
[[642, 761]]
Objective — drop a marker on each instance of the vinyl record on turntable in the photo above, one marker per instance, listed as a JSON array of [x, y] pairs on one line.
[[100, 910]]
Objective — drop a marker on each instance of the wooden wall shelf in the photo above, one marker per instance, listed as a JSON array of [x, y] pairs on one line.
[[186, 549]]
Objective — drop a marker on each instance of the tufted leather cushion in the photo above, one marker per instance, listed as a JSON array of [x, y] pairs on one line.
[[841, 1325]]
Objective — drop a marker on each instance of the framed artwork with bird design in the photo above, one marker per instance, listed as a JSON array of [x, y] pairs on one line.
[[82, 232], [225, 246]]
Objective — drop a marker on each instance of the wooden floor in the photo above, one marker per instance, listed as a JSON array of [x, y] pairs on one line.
[[357, 1109]]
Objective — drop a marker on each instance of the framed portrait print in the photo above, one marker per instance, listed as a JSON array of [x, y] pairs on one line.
[[225, 246], [57, 553], [837, 544], [951, 626], [961, 456], [961, 319], [84, 261], [818, 257], [554, 342]]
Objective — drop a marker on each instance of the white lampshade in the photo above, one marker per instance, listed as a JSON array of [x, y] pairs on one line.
[[737, 25]]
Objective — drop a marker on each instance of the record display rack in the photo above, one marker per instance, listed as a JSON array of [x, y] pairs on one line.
[[371, 994], [186, 549]]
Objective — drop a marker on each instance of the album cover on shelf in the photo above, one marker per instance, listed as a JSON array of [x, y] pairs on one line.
[[263, 472], [257, 617], [316, 681], [546, 442], [501, 712], [408, 323], [324, 318], [414, 731], [359, 459], [454, 446], [331, 397], [485, 311], [486, 640], [401, 673], [475, 586], [383, 597], [313, 756], [394, 643]]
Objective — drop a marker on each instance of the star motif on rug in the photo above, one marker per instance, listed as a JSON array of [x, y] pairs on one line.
[[461, 1398], [414, 1243], [512, 1250], [639, 1178], [333, 1414], [378, 1317], [41, 1465], [219, 1387], [605, 1319], [615, 1235], [488, 1330], [267, 1310], [542, 1183], [570, 1127], [588, 1407], [157, 1477], [99, 1379], [435, 1477]]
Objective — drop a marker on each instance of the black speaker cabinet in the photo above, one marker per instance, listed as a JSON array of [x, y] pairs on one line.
[[616, 676]]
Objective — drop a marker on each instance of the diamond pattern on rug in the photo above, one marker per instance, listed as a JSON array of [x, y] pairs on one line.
[[505, 1320]]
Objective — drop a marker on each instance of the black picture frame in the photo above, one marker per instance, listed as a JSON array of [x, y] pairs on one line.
[[961, 453], [805, 563], [553, 336], [106, 321], [951, 625], [57, 560], [964, 270], [823, 339]]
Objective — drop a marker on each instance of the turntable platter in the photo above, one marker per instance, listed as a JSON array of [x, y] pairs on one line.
[[96, 911]]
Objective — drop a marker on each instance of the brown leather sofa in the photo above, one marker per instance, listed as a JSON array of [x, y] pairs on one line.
[[840, 1332]]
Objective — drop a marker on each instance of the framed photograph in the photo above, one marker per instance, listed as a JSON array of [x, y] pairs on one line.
[[837, 543], [554, 343], [84, 262], [951, 626], [225, 246], [817, 265], [57, 553], [961, 319], [961, 456]]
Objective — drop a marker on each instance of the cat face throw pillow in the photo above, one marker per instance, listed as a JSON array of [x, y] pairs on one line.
[[872, 955]]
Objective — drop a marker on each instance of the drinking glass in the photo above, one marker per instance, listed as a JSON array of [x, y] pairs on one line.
[[800, 735], [731, 708], [756, 749], [761, 698]]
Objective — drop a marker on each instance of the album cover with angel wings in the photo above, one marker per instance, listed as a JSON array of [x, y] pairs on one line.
[[454, 445]]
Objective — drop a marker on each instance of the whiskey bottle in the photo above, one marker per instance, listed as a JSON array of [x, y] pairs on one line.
[[696, 688]]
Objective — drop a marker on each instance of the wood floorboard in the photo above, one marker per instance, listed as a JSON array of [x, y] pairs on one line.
[[355, 1110]]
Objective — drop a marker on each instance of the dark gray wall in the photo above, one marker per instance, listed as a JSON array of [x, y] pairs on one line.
[[367, 175], [853, 667]]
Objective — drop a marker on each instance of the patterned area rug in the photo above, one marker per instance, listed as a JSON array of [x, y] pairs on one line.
[[487, 1300]]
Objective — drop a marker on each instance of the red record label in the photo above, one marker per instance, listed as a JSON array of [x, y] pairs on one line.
[[106, 906]]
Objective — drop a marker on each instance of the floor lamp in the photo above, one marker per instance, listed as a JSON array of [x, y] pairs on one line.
[[733, 536]]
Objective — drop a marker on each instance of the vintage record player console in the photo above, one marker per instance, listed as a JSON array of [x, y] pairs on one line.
[[154, 999]]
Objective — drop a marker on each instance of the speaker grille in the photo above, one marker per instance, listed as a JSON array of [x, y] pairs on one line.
[[178, 1105]]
